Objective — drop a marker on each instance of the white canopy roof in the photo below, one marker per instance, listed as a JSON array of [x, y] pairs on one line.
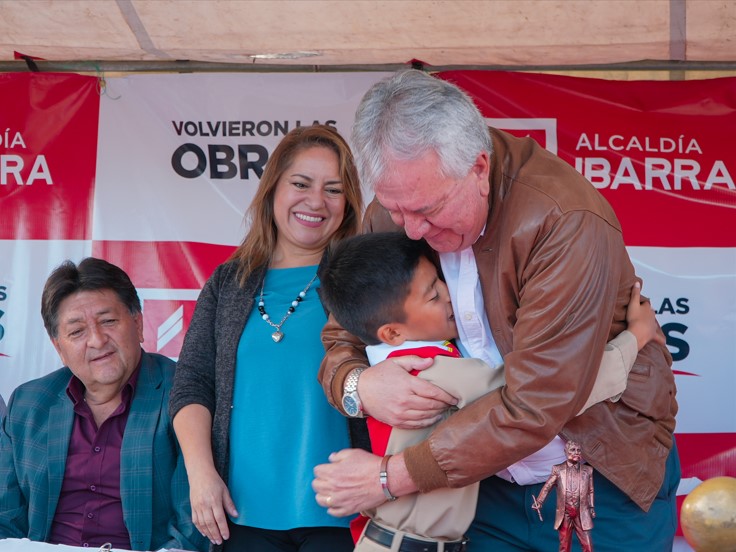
[[360, 32]]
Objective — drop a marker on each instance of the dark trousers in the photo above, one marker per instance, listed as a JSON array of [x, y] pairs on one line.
[[506, 522], [303, 539]]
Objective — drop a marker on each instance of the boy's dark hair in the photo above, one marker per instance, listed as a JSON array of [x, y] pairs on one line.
[[365, 280], [90, 275]]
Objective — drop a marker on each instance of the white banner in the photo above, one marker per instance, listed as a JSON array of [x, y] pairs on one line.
[[692, 290], [180, 156], [155, 174]]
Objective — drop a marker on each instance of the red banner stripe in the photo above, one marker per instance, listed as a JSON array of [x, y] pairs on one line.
[[168, 265]]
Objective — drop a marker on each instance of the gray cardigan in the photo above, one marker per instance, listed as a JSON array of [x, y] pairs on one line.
[[205, 373]]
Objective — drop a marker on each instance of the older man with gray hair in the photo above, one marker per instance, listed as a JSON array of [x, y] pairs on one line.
[[539, 277]]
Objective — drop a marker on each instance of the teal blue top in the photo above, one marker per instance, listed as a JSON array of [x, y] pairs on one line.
[[282, 425]]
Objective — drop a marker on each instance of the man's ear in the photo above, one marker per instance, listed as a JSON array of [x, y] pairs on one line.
[[139, 326], [481, 170], [390, 334]]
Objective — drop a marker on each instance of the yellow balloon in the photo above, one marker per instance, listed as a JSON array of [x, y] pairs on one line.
[[708, 516]]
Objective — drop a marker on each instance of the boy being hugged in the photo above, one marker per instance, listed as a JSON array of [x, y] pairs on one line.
[[386, 289]]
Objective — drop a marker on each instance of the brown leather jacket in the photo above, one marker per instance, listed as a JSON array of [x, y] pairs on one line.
[[556, 280]]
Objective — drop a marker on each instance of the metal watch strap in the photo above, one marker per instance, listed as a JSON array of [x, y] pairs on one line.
[[350, 399], [351, 381], [383, 478]]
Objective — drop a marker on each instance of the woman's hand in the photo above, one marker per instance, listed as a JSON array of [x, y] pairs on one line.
[[211, 501], [208, 493], [390, 394]]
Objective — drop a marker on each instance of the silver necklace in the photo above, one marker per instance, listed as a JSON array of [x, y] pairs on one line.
[[278, 335]]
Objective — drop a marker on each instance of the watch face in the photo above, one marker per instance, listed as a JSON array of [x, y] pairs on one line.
[[350, 405]]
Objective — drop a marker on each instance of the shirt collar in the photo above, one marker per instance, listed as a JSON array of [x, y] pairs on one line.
[[482, 233]]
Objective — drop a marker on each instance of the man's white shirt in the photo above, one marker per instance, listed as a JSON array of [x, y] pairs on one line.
[[476, 341]]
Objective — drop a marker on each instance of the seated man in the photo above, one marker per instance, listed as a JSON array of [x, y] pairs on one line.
[[385, 289], [87, 453]]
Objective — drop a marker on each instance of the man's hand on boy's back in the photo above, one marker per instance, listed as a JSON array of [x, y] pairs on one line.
[[390, 394]]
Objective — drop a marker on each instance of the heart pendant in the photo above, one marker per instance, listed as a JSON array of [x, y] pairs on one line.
[[277, 336]]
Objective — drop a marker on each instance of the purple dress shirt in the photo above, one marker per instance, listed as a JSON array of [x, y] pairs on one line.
[[90, 511]]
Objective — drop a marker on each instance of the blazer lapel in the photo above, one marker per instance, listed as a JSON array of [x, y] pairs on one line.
[[136, 464], [61, 420]]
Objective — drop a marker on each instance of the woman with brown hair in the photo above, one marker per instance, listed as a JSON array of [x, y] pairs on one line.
[[248, 410]]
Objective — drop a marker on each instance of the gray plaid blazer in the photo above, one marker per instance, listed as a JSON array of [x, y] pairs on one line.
[[153, 483]]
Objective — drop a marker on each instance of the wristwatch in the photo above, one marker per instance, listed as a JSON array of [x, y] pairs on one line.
[[350, 400]]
